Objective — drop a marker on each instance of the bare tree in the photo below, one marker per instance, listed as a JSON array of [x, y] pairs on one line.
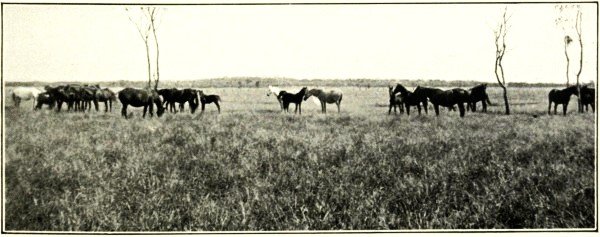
[[569, 20], [147, 23], [500, 36]]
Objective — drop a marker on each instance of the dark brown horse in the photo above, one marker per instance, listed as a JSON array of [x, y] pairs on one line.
[[173, 95], [477, 94], [141, 98], [446, 98], [63, 94], [107, 96], [45, 99], [411, 99], [588, 97], [562, 97], [208, 99], [288, 98], [396, 100]]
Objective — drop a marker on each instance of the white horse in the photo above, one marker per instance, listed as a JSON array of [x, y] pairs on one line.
[[326, 97], [24, 93]]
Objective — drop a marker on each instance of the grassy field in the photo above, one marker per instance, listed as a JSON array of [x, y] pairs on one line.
[[253, 168]]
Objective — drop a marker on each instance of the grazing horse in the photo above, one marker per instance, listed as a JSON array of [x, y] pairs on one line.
[[288, 98], [588, 97], [87, 96], [396, 100], [410, 99], [107, 96], [477, 94], [63, 93], [326, 97], [207, 99], [561, 97], [141, 98], [446, 98], [45, 98], [24, 93], [169, 100]]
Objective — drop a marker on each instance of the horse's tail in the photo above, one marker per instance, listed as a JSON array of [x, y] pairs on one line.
[[341, 95], [218, 98]]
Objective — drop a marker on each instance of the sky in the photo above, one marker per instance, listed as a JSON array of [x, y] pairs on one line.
[[400, 41]]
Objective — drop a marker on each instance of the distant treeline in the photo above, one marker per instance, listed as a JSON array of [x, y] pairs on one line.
[[250, 82]]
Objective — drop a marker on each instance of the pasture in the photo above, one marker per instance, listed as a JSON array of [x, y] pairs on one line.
[[252, 168]]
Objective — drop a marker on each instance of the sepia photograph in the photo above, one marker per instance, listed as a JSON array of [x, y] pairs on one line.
[[299, 117]]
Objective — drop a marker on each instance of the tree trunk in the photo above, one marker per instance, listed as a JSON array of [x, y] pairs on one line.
[[505, 95], [568, 61], [149, 71], [157, 51]]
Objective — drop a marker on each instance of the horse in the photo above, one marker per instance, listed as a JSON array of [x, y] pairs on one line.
[[24, 93], [276, 91], [288, 98], [207, 99], [326, 97], [396, 100], [446, 98], [563, 97], [588, 97], [107, 96], [410, 99], [476, 94], [141, 98], [87, 95], [45, 98]]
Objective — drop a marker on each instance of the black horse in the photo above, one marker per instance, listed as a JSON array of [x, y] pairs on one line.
[[446, 98], [563, 97], [588, 97], [477, 94], [169, 100], [288, 98], [396, 100], [208, 99], [45, 99], [63, 94], [141, 98], [174, 95], [411, 99]]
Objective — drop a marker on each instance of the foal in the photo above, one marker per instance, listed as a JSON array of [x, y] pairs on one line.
[[207, 99], [288, 98]]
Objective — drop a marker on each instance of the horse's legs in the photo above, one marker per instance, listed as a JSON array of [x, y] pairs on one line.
[[124, 111], [145, 109], [338, 105], [390, 110], [436, 107], [96, 104], [300, 107], [408, 109], [555, 105], [549, 107], [151, 109], [324, 107], [425, 106], [474, 106], [484, 106], [461, 109], [218, 106], [565, 109], [106, 106]]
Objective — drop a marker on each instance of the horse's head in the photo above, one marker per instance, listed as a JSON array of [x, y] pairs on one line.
[[307, 94]]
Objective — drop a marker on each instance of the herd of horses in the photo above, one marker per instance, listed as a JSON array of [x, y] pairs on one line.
[[81, 97], [404, 99]]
